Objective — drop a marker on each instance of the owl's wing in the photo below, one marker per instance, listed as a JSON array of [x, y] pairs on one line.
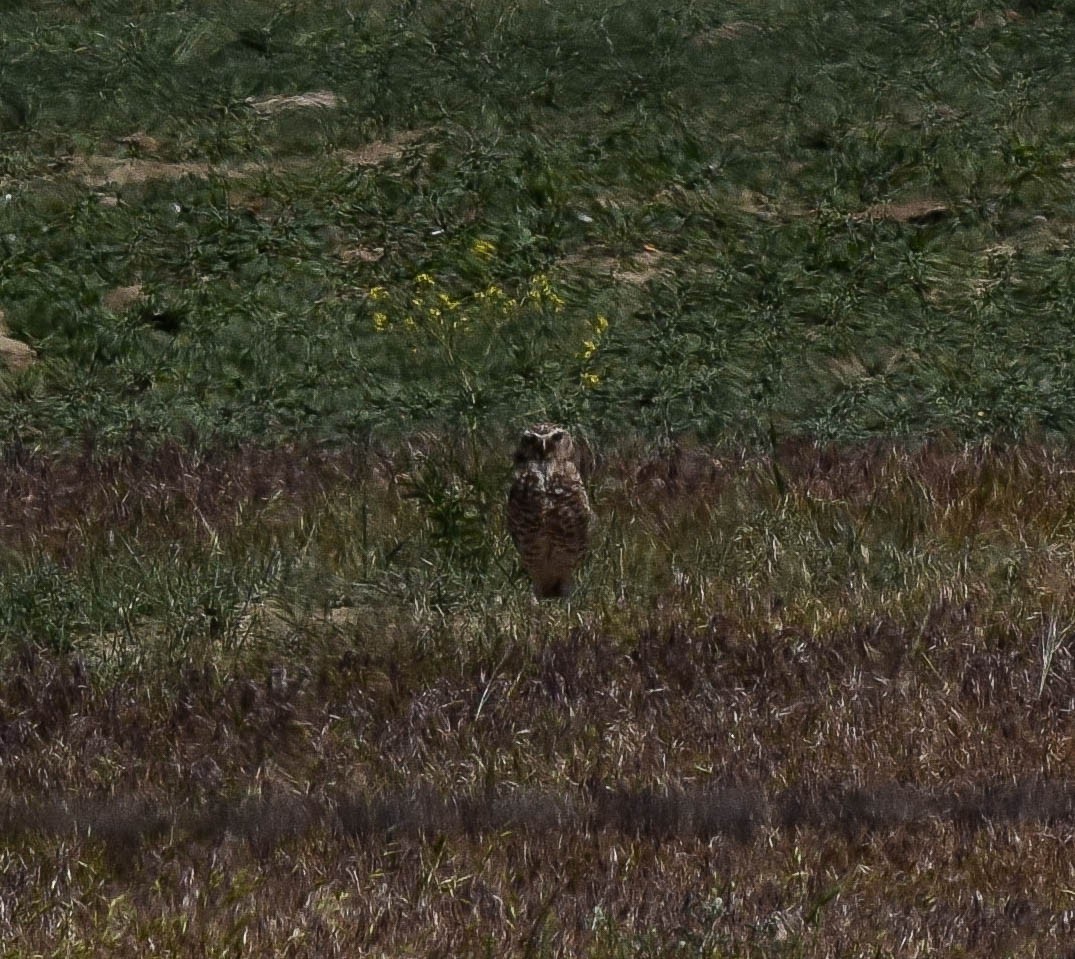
[[521, 509]]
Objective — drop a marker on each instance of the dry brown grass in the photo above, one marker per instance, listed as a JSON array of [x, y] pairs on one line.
[[14, 354], [138, 164], [683, 774]]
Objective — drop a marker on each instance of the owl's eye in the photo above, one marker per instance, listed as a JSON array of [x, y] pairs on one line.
[[558, 435]]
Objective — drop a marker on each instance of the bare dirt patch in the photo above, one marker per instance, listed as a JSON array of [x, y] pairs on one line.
[[380, 151], [642, 267], [14, 354], [121, 297], [101, 171], [910, 211], [97, 171], [996, 18], [635, 270], [761, 206], [140, 143], [361, 254], [733, 30], [277, 103]]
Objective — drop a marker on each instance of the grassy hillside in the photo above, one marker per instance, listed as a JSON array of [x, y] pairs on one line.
[[798, 275]]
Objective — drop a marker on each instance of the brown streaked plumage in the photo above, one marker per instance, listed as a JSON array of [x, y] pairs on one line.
[[549, 514]]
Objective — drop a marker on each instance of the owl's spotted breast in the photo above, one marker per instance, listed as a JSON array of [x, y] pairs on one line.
[[549, 514]]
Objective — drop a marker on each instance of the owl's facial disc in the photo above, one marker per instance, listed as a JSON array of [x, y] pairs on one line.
[[549, 441], [542, 441]]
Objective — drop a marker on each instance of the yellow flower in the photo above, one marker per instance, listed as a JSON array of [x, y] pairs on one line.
[[424, 279], [447, 302], [590, 346], [495, 296], [482, 248], [541, 291], [378, 293], [590, 380], [380, 322]]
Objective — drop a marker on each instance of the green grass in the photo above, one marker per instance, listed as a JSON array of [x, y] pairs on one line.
[[745, 146], [799, 278]]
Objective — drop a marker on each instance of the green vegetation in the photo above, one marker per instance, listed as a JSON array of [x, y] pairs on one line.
[[843, 224], [800, 278]]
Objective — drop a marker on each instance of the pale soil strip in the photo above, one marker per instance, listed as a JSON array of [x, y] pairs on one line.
[[98, 172], [14, 354]]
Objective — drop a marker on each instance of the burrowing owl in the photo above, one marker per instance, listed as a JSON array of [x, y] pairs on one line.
[[549, 513]]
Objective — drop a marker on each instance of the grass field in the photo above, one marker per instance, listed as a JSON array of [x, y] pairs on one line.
[[280, 283]]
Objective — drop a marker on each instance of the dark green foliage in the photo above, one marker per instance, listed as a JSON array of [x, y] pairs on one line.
[[857, 222]]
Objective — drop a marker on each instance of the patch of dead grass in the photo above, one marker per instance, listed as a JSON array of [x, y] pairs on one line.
[[278, 103], [361, 254], [921, 211], [733, 30], [100, 172], [14, 354], [381, 151], [710, 777], [121, 297], [103, 171], [636, 270]]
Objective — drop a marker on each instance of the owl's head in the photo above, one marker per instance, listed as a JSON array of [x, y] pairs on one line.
[[544, 442]]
